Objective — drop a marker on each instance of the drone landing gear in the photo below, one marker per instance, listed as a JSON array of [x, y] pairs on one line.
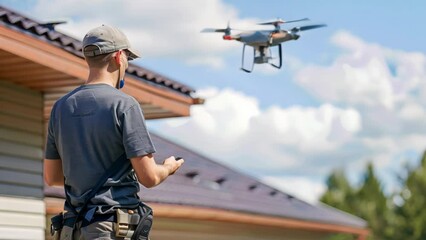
[[262, 54], [242, 61], [280, 54]]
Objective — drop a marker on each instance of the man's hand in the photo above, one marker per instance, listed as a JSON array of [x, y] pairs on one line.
[[151, 174], [173, 164]]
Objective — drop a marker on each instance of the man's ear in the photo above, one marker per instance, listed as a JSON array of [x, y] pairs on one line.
[[117, 57]]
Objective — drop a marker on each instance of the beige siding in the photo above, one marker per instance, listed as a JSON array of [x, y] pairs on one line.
[[183, 229], [22, 210], [21, 218], [21, 141]]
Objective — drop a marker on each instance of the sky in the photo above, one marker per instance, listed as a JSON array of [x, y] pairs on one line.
[[348, 94]]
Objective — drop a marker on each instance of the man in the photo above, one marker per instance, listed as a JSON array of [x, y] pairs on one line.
[[93, 127]]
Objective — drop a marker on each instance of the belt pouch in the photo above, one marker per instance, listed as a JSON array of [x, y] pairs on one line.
[[57, 223], [127, 220], [144, 227]]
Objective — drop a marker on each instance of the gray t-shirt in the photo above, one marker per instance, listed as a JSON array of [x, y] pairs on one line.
[[89, 129]]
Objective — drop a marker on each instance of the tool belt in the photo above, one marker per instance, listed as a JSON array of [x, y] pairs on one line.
[[133, 223], [129, 223]]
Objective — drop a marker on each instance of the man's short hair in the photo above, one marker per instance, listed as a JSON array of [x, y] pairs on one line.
[[98, 61]]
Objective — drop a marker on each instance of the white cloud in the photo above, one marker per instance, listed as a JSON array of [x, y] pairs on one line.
[[213, 61], [366, 74], [224, 117], [308, 129], [386, 86], [237, 116], [345, 82], [413, 111], [230, 127]]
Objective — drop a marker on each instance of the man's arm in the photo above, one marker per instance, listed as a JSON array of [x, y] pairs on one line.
[[53, 174], [150, 174]]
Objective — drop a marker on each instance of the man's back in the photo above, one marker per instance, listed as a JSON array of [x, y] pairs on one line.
[[92, 127]]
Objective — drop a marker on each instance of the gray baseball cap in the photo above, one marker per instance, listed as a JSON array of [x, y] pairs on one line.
[[107, 39]]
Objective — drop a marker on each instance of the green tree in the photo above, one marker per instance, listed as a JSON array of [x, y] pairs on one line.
[[340, 193], [412, 213], [372, 205], [368, 201]]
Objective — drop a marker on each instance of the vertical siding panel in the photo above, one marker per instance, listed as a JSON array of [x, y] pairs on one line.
[[22, 209]]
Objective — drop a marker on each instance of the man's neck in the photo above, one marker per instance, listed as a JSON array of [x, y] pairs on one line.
[[96, 77]]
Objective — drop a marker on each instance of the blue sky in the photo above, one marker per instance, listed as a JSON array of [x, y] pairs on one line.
[[349, 93]]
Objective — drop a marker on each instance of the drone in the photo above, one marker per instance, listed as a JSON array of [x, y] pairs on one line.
[[262, 40]]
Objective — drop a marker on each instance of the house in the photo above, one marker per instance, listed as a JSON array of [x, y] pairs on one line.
[[204, 200]]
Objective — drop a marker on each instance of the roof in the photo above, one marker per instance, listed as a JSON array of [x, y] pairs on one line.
[[202, 182], [47, 33]]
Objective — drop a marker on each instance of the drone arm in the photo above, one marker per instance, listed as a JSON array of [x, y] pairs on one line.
[[230, 37]]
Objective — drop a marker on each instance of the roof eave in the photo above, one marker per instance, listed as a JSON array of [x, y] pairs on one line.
[[173, 211]]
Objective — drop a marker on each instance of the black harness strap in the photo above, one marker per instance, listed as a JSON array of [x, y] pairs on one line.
[[113, 169]]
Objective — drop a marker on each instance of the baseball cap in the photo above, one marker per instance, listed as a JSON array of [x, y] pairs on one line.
[[107, 39]]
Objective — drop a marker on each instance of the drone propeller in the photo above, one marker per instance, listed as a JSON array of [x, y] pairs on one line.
[[280, 21], [304, 28], [207, 30], [299, 20], [226, 30]]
